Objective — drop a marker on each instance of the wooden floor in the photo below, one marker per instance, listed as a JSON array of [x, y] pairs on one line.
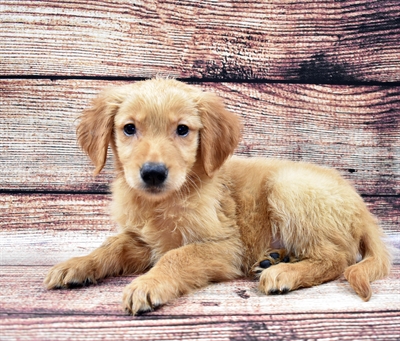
[[316, 81], [222, 311]]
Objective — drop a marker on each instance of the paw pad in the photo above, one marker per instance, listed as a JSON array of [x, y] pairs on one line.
[[266, 263], [272, 257]]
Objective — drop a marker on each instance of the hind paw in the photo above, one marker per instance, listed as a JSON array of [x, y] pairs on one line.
[[272, 257]]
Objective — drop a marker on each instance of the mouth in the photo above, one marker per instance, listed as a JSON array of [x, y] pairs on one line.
[[155, 190], [154, 193]]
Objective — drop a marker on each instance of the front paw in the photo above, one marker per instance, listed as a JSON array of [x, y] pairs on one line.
[[147, 293], [75, 272], [278, 279]]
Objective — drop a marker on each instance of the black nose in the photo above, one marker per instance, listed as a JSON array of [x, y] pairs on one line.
[[153, 174]]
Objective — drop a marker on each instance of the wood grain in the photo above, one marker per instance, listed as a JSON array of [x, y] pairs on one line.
[[352, 128], [225, 311], [320, 41], [44, 229], [52, 209], [342, 326], [90, 212], [215, 299], [65, 212], [48, 247]]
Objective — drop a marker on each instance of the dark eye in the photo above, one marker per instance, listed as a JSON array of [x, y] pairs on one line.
[[182, 130], [129, 129]]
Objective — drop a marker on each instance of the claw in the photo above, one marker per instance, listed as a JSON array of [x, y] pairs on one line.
[[281, 291]]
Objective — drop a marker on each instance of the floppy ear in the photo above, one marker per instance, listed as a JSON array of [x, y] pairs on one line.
[[95, 128], [220, 133]]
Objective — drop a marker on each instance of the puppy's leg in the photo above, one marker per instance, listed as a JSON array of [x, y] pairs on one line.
[[272, 257], [285, 277], [121, 254], [181, 270]]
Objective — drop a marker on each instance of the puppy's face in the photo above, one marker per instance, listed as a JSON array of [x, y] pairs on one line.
[[156, 134], [159, 129]]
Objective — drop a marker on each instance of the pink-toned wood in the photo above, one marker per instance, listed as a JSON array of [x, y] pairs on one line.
[[90, 212], [52, 209], [332, 326], [58, 212], [352, 128], [387, 210], [44, 229], [48, 247], [232, 310], [319, 41]]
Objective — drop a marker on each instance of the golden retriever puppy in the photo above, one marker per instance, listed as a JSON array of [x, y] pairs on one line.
[[190, 214]]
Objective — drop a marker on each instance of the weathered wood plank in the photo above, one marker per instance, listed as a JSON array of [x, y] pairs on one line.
[[352, 128], [343, 326], [310, 41], [355, 129], [387, 210], [229, 298], [90, 212], [48, 247], [64, 212], [223, 311], [43, 229]]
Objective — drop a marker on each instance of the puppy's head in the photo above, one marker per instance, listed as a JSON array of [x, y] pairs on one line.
[[159, 130]]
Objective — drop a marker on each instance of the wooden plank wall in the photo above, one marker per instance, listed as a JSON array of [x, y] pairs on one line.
[[313, 80]]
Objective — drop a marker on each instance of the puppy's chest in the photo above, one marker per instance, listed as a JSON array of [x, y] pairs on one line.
[[161, 228], [164, 231], [167, 228]]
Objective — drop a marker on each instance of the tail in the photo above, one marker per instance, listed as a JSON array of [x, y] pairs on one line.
[[376, 262]]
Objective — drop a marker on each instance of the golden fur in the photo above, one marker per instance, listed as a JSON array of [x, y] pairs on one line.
[[213, 217]]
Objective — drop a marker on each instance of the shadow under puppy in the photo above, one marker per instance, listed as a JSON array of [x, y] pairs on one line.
[[190, 214]]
